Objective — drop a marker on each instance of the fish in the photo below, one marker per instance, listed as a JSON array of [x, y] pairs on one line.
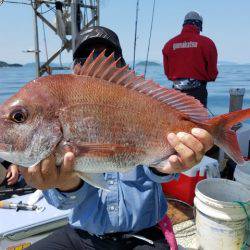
[[110, 118]]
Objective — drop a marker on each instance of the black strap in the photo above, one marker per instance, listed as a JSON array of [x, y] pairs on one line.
[[6, 164], [155, 171]]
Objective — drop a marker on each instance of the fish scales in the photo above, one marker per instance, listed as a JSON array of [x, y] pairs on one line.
[[112, 120]]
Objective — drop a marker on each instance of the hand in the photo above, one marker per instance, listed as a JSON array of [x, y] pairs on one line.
[[190, 148], [12, 174], [47, 175]]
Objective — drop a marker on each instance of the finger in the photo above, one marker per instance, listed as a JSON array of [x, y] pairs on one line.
[[48, 168], [13, 179], [172, 165], [68, 163], [35, 176], [8, 175], [204, 137], [187, 155], [32, 175], [14, 175], [193, 143]]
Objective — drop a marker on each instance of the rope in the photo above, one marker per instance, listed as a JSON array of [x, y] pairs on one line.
[[51, 9], [209, 110], [136, 20], [151, 26], [14, 2], [245, 245]]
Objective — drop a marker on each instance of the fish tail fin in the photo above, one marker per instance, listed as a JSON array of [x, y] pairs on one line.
[[224, 136]]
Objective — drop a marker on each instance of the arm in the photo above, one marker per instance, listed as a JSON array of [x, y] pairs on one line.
[[66, 200], [212, 58], [165, 59], [63, 188]]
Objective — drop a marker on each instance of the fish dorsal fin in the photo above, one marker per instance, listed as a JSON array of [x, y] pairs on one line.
[[105, 68]]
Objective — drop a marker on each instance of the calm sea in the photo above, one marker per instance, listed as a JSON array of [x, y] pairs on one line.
[[230, 76]]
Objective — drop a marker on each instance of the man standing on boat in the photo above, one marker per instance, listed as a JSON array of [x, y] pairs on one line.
[[190, 59], [127, 217]]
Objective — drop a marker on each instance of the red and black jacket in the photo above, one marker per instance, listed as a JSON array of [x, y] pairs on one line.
[[190, 55]]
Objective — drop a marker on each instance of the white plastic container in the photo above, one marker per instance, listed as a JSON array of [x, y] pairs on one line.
[[242, 175], [221, 222]]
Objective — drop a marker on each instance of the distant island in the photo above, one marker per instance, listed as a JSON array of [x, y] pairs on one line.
[[5, 64], [143, 63], [33, 64], [227, 63]]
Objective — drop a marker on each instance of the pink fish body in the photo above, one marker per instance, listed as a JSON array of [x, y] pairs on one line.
[[111, 119]]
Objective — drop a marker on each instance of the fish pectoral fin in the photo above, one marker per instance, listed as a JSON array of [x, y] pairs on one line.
[[105, 150], [96, 180]]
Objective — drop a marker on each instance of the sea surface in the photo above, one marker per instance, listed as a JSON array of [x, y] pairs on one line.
[[230, 76]]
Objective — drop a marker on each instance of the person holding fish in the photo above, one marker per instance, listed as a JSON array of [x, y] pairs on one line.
[[190, 59], [102, 140]]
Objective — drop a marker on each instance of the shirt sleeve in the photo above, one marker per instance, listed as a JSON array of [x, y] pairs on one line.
[[157, 178], [66, 200], [212, 58], [165, 60]]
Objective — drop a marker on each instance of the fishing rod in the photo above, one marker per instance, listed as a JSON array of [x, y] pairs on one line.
[[11, 191], [136, 21], [13, 2], [149, 40]]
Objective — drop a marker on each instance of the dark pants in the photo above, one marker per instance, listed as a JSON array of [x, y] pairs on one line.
[[199, 93], [68, 238]]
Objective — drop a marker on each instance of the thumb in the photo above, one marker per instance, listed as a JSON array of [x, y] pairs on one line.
[[68, 162], [8, 174]]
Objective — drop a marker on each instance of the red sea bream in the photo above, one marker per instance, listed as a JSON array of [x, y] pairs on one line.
[[110, 118]]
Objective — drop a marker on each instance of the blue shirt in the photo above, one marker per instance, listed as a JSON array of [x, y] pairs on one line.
[[135, 202]]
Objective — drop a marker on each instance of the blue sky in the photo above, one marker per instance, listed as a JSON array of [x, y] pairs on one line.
[[226, 22]]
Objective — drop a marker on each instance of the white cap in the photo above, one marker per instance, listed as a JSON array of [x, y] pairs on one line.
[[192, 15]]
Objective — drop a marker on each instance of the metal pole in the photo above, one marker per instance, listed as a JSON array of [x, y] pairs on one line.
[[236, 101], [98, 12], [36, 39], [74, 28]]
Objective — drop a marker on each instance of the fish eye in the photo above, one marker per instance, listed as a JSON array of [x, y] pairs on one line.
[[18, 116]]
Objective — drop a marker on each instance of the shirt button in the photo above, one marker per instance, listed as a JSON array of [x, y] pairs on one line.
[[112, 208], [59, 197], [111, 182], [72, 197]]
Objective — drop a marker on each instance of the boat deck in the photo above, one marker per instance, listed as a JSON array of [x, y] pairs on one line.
[[185, 233]]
